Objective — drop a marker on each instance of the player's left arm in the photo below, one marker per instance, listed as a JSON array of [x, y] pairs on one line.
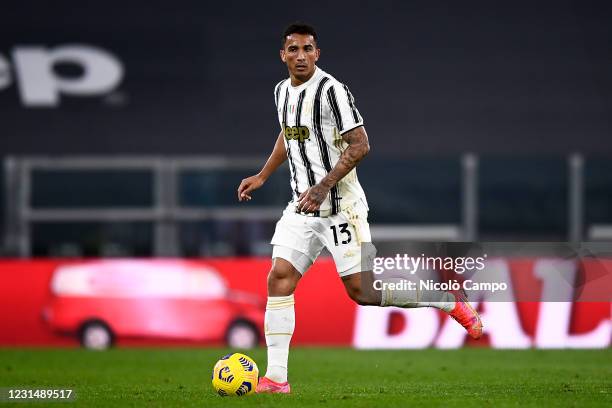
[[358, 147]]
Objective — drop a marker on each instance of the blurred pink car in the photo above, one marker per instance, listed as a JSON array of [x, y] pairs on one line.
[[104, 300]]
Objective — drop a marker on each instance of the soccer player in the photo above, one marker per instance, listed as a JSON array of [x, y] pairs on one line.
[[323, 137]]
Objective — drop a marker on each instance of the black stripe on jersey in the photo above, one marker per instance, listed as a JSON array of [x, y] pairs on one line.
[[323, 148], [302, 144], [291, 164], [277, 90], [349, 96], [285, 108], [333, 103]]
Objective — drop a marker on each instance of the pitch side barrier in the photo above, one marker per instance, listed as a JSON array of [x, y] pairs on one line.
[[166, 211]]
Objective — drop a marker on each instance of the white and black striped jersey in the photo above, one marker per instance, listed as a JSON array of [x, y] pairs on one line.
[[313, 117]]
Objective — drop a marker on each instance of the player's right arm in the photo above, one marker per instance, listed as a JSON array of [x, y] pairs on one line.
[[277, 157]]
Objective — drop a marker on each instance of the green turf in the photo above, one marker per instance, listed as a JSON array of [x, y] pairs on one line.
[[323, 377]]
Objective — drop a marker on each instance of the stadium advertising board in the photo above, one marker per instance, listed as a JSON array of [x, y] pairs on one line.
[[157, 302]]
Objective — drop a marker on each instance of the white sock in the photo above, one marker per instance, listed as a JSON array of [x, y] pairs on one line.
[[279, 326], [415, 298]]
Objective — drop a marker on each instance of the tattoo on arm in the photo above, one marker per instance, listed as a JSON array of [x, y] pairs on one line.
[[358, 148], [318, 194]]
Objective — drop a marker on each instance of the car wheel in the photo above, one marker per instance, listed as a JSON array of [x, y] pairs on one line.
[[96, 336], [242, 335]]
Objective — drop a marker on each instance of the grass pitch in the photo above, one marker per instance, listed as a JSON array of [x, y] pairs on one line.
[[321, 377]]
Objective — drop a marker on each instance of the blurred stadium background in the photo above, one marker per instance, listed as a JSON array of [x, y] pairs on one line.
[[127, 128]]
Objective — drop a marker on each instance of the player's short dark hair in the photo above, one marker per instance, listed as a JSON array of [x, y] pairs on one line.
[[299, 28]]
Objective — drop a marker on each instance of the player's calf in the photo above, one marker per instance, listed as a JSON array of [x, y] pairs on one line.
[[360, 291], [279, 322]]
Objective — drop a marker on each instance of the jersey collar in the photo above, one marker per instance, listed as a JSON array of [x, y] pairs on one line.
[[312, 79]]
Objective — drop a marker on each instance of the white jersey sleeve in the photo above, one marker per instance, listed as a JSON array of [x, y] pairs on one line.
[[342, 105]]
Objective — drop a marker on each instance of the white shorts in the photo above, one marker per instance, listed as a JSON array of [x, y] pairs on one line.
[[300, 239]]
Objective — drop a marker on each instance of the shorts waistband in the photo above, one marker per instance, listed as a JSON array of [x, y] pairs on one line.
[[320, 213]]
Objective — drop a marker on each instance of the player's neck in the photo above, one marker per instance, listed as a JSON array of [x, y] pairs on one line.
[[297, 81]]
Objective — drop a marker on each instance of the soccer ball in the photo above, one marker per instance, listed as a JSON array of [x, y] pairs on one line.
[[235, 374]]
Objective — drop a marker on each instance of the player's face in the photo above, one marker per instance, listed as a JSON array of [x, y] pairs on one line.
[[300, 54]]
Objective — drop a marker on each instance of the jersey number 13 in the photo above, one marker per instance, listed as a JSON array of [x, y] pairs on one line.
[[343, 230]]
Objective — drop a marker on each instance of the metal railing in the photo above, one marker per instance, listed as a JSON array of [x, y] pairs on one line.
[[166, 213]]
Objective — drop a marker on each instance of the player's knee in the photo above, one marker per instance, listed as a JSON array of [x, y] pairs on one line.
[[280, 283], [282, 279]]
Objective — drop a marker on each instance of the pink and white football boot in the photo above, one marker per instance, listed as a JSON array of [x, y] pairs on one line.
[[266, 385], [466, 316]]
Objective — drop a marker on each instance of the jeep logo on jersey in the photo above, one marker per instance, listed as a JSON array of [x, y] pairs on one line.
[[300, 133], [40, 86]]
